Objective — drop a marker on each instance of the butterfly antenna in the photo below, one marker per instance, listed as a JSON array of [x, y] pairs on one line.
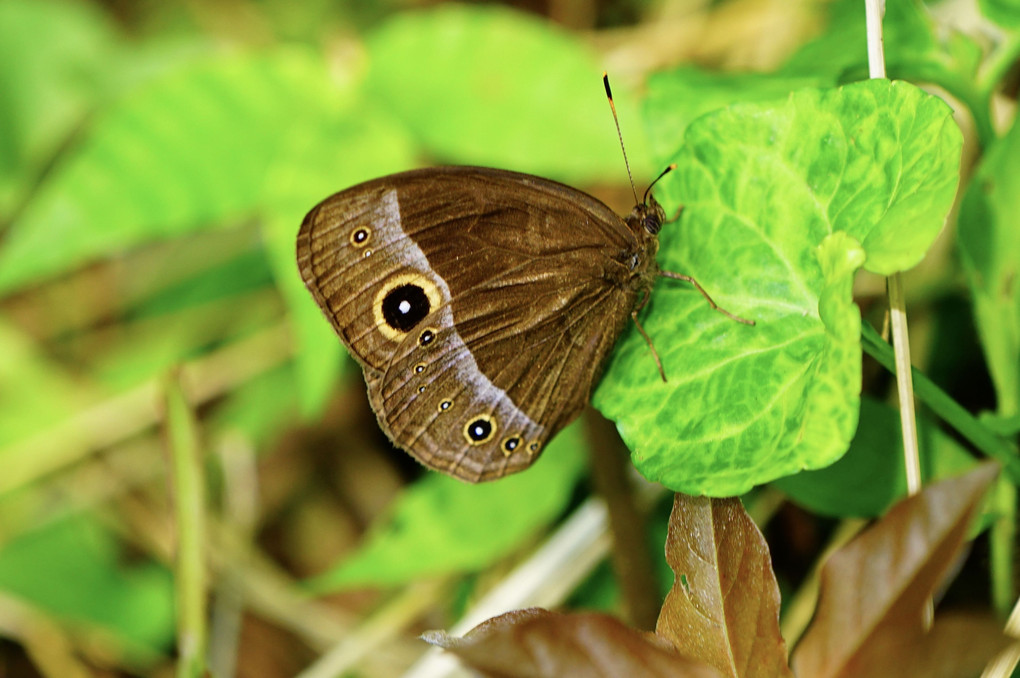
[[619, 134], [649, 189]]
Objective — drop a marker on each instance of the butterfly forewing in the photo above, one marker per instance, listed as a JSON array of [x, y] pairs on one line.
[[481, 303]]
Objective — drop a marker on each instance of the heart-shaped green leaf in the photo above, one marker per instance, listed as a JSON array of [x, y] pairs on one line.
[[782, 204]]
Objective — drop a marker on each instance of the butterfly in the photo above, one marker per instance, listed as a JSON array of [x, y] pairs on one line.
[[482, 304]]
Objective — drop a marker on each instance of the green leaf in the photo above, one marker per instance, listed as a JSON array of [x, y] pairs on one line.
[[989, 237], [318, 159], [916, 49], [908, 36], [904, 170], [446, 74], [180, 153], [870, 477], [1003, 12], [72, 569], [441, 525], [782, 204]]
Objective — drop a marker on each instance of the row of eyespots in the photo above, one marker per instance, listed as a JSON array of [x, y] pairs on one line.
[[481, 429]]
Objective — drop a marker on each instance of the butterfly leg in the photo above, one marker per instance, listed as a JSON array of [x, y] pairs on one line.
[[648, 340], [716, 307]]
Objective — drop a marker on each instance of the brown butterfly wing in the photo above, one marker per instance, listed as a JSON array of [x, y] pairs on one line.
[[481, 304]]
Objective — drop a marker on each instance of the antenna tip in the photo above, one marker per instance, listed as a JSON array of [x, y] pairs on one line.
[[605, 81]]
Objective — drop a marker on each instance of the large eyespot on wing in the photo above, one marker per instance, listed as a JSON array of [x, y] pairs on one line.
[[371, 280]]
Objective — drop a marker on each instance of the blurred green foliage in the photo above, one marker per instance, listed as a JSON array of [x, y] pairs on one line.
[[156, 162]]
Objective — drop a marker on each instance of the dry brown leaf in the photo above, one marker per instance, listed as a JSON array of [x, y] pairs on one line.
[[536, 643], [724, 605], [874, 590]]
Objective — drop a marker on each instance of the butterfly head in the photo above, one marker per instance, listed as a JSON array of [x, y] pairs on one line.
[[647, 218], [648, 214]]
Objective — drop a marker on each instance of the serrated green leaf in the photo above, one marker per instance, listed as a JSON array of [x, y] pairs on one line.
[[446, 74], [782, 204], [441, 525], [180, 153], [319, 159], [989, 237], [870, 477], [1003, 12]]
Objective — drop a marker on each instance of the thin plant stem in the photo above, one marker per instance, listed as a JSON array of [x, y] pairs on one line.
[[631, 554], [1003, 664], [189, 511], [945, 407], [904, 384], [897, 303]]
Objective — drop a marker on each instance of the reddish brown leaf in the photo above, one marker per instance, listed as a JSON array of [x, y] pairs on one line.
[[873, 590], [724, 605], [536, 643], [957, 646]]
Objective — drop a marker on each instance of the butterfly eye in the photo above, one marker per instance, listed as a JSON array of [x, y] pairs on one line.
[[652, 224], [480, 429]]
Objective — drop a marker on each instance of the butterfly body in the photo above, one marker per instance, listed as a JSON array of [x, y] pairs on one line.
[[482, 305]]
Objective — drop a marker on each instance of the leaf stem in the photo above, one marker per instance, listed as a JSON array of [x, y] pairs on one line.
[[904, 384], [944, 406], [631, 554]]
